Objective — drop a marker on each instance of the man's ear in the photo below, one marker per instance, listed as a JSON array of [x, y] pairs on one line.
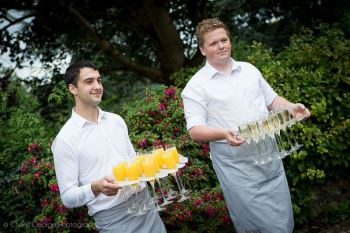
[[73, 89], [202, 51]]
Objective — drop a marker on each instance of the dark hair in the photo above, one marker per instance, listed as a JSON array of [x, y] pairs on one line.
[[72, 72], [209, 25]]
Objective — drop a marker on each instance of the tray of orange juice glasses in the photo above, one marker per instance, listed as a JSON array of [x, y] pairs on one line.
[[148, 166]]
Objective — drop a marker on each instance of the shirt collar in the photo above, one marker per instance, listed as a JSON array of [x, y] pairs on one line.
[[211, 71], [81, 121]]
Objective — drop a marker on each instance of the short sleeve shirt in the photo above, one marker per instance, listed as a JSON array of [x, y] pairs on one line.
[[216, 100]]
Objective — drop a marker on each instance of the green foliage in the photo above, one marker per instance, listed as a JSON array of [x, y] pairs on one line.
[[30, 200], [206, 212], [313, 70], [181, 77], [158, 119]]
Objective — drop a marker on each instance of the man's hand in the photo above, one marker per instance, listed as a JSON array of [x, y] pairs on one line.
[[233, 138], [299, 111], [106, 185]]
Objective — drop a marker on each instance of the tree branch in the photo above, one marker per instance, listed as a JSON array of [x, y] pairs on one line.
[[150, 73], [171, 52], [17, 21]]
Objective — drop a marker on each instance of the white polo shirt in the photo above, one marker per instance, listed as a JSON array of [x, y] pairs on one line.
[[84, 152], [215, 100]]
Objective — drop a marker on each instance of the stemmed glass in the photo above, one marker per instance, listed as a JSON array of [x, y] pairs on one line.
[[263, 134], [157, 154], [289, 122], [119, 173], [270, 129], [279, 124], [283, 125], [171, 166], [150, 173], [255, 135], [133, 174], [176, 156], [126, 174], [250, 133]]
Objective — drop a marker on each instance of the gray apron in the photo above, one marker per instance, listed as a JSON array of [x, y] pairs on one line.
[[117, 220], [257, 196]]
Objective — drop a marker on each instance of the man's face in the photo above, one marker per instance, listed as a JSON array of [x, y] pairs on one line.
[[216, 47], [89, 89]]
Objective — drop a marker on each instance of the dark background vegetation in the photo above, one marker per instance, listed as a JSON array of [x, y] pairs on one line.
[[147, 51]]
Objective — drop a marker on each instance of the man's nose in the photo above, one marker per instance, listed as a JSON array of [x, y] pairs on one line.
[[221, 45], [97, 84]]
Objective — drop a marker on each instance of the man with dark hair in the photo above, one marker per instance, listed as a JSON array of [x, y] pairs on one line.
[[86, 148], [218, 97]]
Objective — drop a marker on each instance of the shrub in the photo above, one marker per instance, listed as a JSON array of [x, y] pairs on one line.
[[313, 70]]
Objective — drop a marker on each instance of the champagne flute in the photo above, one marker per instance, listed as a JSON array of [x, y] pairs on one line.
[[278, 124], [170, 164], [244, 131], [283, 125], [119, 173], [176, 156], [150, 172], [263, 135], [271, 128], [289, 122], [157, 154], [254, 135], [133, 175]]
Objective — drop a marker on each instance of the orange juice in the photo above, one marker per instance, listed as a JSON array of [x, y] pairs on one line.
[[132, 172], [149, 167], [175, 153], [119, 171], [138, 163], [169, 160], [157, 154]]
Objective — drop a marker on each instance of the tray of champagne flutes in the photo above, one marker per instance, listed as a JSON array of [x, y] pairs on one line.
[[272, 136]]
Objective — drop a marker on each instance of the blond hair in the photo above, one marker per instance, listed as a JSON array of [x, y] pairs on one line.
[[209, 25]]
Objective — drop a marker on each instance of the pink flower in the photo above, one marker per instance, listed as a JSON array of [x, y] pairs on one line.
[[46, 219], [33, 147], [198, 202], [225, 219], [180, 217], [189, 213], [36, 175], [152, 113], [23, 168], [59, 207], [210, 211], [44, 202], [158, 142], [162, 106], [205, 148], [170, 91], [54, 188], [143, 142]]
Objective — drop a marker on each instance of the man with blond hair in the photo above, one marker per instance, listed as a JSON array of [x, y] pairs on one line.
[[220, 96]]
